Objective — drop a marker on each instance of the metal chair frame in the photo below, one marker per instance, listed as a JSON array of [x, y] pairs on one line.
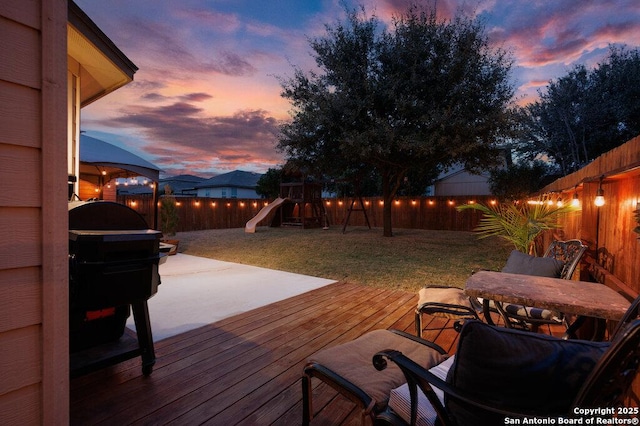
[[607, 386], [570, 251]]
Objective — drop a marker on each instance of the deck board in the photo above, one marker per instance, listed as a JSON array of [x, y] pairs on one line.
[[246, 369]]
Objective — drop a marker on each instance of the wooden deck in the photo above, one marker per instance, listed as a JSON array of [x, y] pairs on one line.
[[246, 369]]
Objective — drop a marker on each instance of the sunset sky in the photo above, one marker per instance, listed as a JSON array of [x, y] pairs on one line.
[[206, 99]]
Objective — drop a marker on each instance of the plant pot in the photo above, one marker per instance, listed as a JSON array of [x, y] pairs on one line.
[[169, 247]]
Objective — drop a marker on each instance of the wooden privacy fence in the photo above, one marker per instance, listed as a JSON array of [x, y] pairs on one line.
[[436, 213]]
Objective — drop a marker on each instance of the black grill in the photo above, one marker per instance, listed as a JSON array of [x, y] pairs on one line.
[[113, 267]]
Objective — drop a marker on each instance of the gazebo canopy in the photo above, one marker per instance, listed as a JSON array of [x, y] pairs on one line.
[[101, 159]]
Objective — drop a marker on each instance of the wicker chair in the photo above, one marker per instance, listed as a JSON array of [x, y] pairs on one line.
[[573, 374]]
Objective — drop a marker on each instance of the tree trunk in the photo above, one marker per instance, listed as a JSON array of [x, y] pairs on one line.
[[387, 197]]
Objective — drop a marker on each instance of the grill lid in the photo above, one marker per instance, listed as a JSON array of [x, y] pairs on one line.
[[104, 216]]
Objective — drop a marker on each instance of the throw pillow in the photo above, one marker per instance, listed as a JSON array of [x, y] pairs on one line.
[[521, 263]]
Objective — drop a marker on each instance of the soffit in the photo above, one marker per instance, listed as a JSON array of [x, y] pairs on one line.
[[103, 67]]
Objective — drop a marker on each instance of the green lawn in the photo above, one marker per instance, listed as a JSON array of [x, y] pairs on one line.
[[409, 260]]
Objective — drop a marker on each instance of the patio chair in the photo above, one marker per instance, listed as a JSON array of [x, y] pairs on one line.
[[348, 369], [483, 385], [495, 371], [559, 260], [568, 253]]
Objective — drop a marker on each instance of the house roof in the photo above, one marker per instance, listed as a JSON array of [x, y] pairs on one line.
[[236, 178], [181, 183], [97, 156], [104, 67], [183, 178]]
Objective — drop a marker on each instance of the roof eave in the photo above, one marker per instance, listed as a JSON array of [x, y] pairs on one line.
[[116, 69]]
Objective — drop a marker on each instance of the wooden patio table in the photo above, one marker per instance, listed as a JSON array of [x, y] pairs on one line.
[[580, 298]]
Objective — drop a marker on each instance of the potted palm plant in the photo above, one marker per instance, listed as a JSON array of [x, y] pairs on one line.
[[518, 223], [169, 219]]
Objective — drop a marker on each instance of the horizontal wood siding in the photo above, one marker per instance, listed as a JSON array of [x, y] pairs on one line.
[[18, 106], [20, 43], [20, 298], [18, 162], [32, 110], [20, 245], [22, 349], [22, 407]]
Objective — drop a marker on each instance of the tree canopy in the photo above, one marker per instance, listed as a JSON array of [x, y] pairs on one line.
[[399, 100], [585, 113], [518, 181]]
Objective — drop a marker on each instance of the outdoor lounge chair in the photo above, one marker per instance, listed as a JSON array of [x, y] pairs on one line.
[[348, 369], [559, 260], [496, 372], [499, 373]]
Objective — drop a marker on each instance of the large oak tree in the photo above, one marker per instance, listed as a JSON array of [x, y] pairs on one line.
[[412, 97]]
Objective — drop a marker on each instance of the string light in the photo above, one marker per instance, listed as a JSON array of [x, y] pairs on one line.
[[599, 201], [575, 202]]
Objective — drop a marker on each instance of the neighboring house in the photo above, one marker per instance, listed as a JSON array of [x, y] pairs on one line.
[[181, 184], [457, 181], [53, 61], [236, 184]]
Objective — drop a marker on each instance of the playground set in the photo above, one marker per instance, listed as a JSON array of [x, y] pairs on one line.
[[300, 205]]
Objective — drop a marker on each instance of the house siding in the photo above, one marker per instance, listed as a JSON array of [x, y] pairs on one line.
[[33, 213], [227, 192], [463, 183]]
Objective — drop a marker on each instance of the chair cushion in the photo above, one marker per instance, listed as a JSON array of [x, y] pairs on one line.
[[400, 400], [521, 263], [353, 362], [518, 370], [533, 313], [447, 295]]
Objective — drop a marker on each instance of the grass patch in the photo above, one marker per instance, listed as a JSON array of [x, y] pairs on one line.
[[409, 260]]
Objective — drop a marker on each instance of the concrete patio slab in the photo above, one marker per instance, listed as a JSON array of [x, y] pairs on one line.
[[196, 291]]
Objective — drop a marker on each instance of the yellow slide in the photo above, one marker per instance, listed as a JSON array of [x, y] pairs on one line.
[[250, 227]]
